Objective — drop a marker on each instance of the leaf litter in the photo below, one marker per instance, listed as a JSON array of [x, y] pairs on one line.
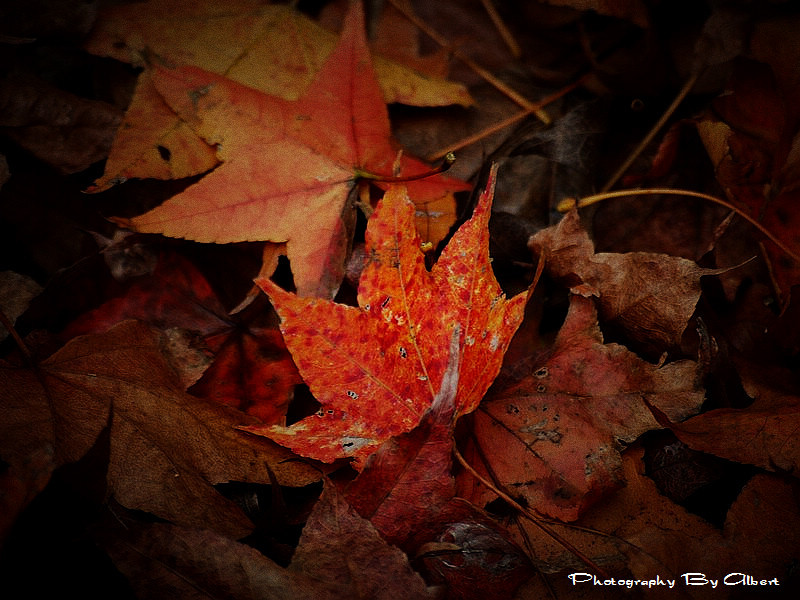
[[129, 408]]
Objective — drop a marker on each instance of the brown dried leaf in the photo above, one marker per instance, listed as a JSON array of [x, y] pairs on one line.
[[650, 296], [168, 448], [64, 130], [639, 533], [347, 557], [764, 434], [340, 555]]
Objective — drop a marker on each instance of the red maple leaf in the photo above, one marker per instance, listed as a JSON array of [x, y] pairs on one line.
[[376, 368], [287, 166]]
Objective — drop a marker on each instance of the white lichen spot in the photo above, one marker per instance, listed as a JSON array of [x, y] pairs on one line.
[[400, 319], [495, 341], [422, 377], [351, 444], [469, 340]]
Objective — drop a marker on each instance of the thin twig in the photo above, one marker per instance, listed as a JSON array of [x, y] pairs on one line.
[[483, 133], [569, 203], [687, 87], [504, 32], [491, 79], [528, 514], [6, 322]]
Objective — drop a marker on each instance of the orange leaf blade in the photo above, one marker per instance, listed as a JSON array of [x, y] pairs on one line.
[[377, 368]]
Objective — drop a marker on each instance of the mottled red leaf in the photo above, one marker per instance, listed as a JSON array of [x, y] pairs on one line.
[[376, 368], [407, 482], [555, 437]]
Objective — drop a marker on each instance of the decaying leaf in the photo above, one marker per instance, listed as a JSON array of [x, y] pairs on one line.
[[340, 555], [376, 368], [287, 167], [220, 358], [472, 554], [64, 130], [753, 141], [344, 553], [168, 448], [555, 437], [763, 434], [638, 532], [650, 296]]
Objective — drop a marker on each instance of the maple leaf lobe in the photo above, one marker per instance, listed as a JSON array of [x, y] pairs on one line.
[[377, 368]]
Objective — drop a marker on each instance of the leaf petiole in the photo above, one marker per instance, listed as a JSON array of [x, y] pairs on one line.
[[569, 203], [446, 163]]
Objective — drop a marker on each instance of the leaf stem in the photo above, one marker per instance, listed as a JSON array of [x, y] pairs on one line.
[[569, 203], [684, 91], [446, 163], [528, 513], [504, 32], [6, 322], [487, 131], [486, 75]]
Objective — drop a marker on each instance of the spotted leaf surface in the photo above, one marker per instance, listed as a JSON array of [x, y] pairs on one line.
[[376, 368]]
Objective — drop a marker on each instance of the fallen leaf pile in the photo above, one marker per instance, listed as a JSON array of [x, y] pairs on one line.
[[251, 346]]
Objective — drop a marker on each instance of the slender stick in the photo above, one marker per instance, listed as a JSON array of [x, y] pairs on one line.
[[687, 87], [476, 137], [504, 32], [527, 513], [6, 322], [569, 203], [494, 81]]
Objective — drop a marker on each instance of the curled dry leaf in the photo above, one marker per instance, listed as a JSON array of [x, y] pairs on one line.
[[376, 368], [555, 437], [650, 296]]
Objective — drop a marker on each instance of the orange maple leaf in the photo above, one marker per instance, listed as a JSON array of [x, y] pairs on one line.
[[287, 166], [376, 368]]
